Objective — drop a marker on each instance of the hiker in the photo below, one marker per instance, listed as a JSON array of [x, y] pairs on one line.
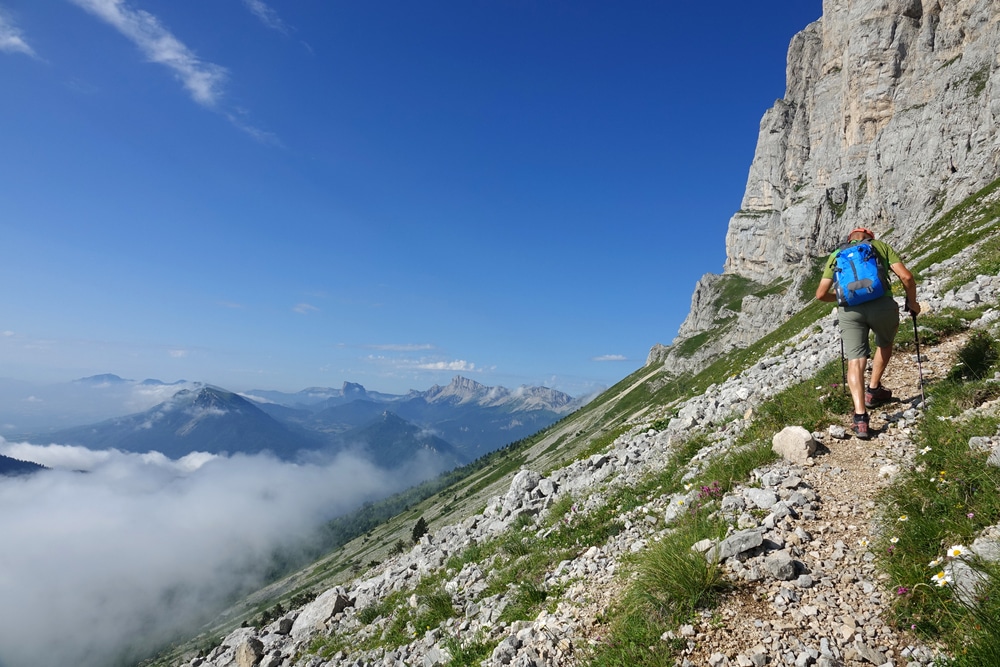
[[879, 314]]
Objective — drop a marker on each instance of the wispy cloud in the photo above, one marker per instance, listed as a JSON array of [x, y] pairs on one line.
[[610, 357], [262, 136], [267, 15], [203, 80], [403, 364], [177, 354], [401, 347], [304, 308], [457, 365], [12, 39]]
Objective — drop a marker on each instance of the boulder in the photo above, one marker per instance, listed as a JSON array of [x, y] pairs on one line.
[[780, 566], [737, 543], [249, 652], [794, 444], [315, 615]]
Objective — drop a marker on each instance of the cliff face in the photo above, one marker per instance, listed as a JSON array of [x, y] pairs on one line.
[[890, 116]]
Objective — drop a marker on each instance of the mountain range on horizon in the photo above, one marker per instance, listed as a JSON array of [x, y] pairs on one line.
[[451, 425]]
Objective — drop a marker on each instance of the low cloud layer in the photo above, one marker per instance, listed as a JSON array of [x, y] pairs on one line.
[[111, 551]]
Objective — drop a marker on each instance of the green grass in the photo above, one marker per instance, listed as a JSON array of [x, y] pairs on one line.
[[947, 499], [984, 262], [687, 347], [733, 288], [807, 291], [470, 653], [960, 227], [934, 327], [736, 361], [978, 81], [671, 582]]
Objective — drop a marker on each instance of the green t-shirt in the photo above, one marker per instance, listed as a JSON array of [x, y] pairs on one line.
[[882, 249]]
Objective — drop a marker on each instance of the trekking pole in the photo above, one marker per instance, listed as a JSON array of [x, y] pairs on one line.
[[916, 340]]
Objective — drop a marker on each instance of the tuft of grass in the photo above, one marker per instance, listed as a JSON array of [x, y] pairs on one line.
[[976, 358], [470, 653], [671, 583], [526, 600]]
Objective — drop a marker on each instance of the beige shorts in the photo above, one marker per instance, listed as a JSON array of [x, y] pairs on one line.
[[880, 316]]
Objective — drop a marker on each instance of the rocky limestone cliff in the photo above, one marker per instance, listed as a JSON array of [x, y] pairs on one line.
[[890, 116]]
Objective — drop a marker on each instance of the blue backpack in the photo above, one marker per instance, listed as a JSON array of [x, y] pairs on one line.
[[858, 275]]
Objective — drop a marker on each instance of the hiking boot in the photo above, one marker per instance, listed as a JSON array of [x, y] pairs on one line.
[[861, 427], [876, 396]]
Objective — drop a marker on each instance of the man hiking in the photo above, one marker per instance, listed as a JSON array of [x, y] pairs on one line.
[[866, 306]]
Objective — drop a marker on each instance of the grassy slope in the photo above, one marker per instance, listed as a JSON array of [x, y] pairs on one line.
[[649, 396]]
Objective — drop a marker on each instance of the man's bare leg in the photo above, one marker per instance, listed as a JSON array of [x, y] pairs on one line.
[[856, 383], [879, 363]]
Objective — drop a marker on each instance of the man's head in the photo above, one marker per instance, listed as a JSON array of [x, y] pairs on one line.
[[860, 234]]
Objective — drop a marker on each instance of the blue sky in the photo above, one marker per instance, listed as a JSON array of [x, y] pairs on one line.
[[266, 194]]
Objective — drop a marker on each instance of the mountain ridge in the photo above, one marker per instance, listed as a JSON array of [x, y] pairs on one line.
[[464, 420]]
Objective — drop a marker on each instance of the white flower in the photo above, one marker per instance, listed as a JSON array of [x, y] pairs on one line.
[[925, 450], [942, 578], [934, 563], [903, 518], [863, 542], [894, 540], [957, 551], [688, 487]]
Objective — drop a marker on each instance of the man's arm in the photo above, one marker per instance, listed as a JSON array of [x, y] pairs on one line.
[[909, 284], [823, 292]]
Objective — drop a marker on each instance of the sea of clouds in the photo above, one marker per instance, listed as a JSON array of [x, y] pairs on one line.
[[111, 552]]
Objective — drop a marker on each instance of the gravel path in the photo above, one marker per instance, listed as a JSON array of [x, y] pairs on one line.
[[834, 615]]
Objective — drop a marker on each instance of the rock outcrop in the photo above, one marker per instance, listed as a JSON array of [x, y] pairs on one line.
[[891, 115]]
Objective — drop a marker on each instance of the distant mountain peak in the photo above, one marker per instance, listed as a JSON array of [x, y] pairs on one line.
[[353, 389], [210, 397], [104, 378], [461, 388]]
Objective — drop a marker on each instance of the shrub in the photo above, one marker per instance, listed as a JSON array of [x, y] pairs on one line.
[[419, 529]]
